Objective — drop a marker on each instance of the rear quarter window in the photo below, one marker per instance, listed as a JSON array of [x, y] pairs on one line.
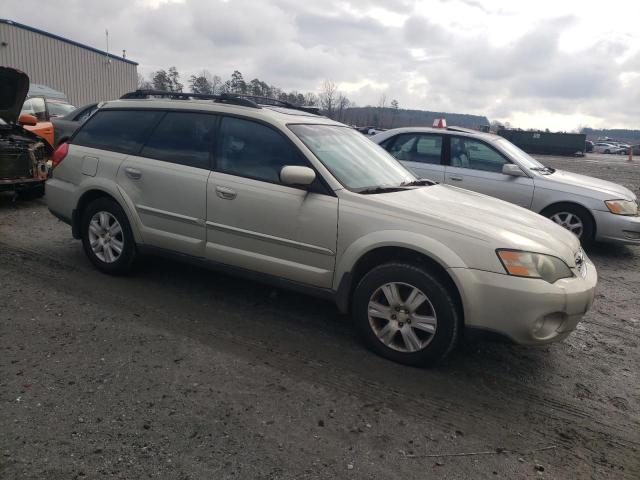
[[123, 131]]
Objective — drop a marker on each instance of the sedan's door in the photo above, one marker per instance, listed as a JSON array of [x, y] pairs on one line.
[[422, 153], [254, 221], [475, 165], [167, 182]]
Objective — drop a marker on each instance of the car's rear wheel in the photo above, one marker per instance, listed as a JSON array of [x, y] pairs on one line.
[[574, 218], [107, 238], [406, 314]]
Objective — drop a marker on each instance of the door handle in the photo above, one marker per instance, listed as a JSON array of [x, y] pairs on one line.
[[225, 193], [133, 173], [455, 179]]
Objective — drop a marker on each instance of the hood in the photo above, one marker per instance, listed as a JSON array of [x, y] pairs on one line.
[[14, 86], [576, 183], [499, 223]]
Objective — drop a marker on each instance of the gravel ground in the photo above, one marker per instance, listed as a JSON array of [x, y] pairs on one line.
[[181, 373]]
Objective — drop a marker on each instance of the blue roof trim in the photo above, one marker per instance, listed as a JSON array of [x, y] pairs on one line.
[[66, 40]]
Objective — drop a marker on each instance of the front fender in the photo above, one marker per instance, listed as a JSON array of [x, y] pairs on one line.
[[433, 249]]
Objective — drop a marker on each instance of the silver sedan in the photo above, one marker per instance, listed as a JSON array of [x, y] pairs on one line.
[[592, 209]]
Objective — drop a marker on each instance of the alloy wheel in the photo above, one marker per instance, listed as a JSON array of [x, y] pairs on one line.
[[570, 221], [402, 317], [106, 237]]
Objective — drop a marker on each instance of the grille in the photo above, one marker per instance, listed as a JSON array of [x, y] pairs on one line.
[[15, 163]]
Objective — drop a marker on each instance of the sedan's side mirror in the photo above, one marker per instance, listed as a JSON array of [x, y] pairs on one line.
[[297, 175], [513, 170], [28, 120]]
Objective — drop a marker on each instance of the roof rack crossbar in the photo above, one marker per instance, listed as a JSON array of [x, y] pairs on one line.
[[281, 103], [222, 98], [253, 101]]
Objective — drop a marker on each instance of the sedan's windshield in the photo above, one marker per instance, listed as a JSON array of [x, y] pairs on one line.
[[523, 158], [355, 161]]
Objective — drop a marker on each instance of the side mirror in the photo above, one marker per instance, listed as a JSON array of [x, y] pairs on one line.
[[28, 120], [513, 170], [297, 175]]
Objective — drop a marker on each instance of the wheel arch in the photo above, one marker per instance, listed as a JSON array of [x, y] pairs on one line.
[[386, 253], [91, 194], [555, 205]]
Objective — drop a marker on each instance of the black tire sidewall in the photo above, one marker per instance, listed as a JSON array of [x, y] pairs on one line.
[[124, 263], [449, 319]]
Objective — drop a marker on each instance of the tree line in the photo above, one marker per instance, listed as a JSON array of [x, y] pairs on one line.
[[332, 102]]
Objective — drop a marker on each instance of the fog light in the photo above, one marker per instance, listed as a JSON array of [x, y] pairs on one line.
[[547, 327], [631, 235]]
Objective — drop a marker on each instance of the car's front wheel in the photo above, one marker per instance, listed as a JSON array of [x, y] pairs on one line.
[[406, 314], [574, 218], [107, 238]]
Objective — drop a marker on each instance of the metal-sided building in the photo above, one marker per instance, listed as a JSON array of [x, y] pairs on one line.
[[84, 73]]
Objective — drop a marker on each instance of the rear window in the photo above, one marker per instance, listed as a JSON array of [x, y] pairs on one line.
[[122, 131], [182, 138]]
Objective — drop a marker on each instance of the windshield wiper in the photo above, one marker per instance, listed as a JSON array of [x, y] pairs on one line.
[[381, 189], [543, 170], [419, 182]]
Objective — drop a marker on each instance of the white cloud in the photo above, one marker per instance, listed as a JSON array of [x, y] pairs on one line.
[[536, 64]]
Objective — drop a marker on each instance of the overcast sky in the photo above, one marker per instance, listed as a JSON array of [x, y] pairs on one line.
[[549, 64]]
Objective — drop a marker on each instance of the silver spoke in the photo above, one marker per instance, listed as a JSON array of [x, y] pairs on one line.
[[416, 298], [424, 322], [94, 227], [390, 291], [116, 245], [115, 229], [104, 221], [108, 254], [378, 310], [411, 340], [387, 333]]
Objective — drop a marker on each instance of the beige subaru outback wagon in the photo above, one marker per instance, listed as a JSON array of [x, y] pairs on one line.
[[292, 198]]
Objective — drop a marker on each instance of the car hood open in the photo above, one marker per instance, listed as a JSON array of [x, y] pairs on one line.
[[14, 86]]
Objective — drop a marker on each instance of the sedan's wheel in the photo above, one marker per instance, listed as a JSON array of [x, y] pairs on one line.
[[406, 314], [571, 222], [106, 236], [574, 218]]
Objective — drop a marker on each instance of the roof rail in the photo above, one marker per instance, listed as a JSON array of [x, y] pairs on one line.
[[280, 103], [222, 98], [461, 129]]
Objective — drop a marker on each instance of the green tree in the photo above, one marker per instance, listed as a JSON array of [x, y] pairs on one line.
[[174, 80], [201, 83], [160, 80], [238, 85]]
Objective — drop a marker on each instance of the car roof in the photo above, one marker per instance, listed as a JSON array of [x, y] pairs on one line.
[[272, 114], [460, 131]]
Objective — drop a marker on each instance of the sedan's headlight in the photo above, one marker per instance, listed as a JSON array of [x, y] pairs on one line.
[[533, 265], [622, 207]]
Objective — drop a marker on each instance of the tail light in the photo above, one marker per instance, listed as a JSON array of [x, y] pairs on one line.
[[59, 154]]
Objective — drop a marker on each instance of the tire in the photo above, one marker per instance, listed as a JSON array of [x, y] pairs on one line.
[[558, 214], [607, 151], [105, 256], [431, 346]]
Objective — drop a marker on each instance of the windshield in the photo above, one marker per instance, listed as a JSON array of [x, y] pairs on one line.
[[523, 158], [59, 109], [354, 160]]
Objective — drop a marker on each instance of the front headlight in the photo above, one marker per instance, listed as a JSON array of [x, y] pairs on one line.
[[622, 207], [533, 265]]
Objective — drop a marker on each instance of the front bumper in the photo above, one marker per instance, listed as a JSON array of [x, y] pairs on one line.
[[527, 311], [617, 228]]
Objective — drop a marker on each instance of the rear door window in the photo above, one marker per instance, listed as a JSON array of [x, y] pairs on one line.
[[416, 147], [123, 131], [184, 138]]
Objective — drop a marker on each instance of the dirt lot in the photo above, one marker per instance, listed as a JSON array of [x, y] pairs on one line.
[[181, 373]]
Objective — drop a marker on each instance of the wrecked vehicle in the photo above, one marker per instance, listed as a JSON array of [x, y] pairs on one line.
[[24, 156]]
